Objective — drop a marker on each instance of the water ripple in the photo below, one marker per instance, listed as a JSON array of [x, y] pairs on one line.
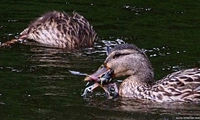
[[130, 105], [12, 69], [173, 68], [100, 48]]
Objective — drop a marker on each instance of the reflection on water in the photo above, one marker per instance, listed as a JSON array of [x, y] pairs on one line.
[[124, 105], [58, 79], [47, 57], [38, 82], [163, 108], [58, 66]]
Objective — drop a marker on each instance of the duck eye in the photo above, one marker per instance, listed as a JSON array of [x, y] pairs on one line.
[[120, 54], [116, 55]]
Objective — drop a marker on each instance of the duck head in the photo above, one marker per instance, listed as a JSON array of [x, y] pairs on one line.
[[122, 60]]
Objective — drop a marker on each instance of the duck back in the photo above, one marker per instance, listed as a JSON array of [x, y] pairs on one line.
[[60, 30], [183, 85]]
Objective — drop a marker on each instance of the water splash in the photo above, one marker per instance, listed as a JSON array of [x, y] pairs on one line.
[[113, 43], [100, 48], [173, 68], [1, 26], [137, 10], [77, 73], [12, 20], [162, 51]]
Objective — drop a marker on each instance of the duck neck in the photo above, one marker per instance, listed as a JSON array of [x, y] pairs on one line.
[[134, 86]]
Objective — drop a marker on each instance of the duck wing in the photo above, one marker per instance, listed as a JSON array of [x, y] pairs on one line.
[[183, 85]]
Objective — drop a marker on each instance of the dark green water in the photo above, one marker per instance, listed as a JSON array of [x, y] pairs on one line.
[[35, 82]]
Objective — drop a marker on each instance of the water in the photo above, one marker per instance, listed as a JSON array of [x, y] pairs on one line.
[[44, 83]]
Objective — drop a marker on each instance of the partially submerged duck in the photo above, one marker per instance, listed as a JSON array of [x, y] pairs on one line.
[[128, 60], [60, 30]]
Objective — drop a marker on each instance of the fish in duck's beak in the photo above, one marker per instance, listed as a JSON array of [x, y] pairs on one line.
[[103, 78], [103, 75]]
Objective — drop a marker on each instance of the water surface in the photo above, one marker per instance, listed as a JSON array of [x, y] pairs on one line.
[[36, 82]]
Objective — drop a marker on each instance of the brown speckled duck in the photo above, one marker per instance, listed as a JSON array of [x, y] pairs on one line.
[[60, 30], [128, 60]]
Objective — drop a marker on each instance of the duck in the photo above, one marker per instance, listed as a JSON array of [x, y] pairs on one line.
[[59, 30], [131, 62]]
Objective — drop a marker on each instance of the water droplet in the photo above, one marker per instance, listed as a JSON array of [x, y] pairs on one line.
[[77, 73], [12, 20]]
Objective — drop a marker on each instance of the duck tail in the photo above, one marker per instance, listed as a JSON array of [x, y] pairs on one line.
[[12, 41], [9, 43]]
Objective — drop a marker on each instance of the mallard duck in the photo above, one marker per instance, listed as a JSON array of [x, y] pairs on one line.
[[128, 60], [60, 30]]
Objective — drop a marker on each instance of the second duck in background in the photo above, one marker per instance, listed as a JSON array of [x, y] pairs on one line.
[[60, 30]]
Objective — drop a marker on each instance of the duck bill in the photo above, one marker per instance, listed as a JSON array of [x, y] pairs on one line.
[[100, 73], [102, 77]]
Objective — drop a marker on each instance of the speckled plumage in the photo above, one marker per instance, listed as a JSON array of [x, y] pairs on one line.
[[60, 30], [128, 60], [182, 86]]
